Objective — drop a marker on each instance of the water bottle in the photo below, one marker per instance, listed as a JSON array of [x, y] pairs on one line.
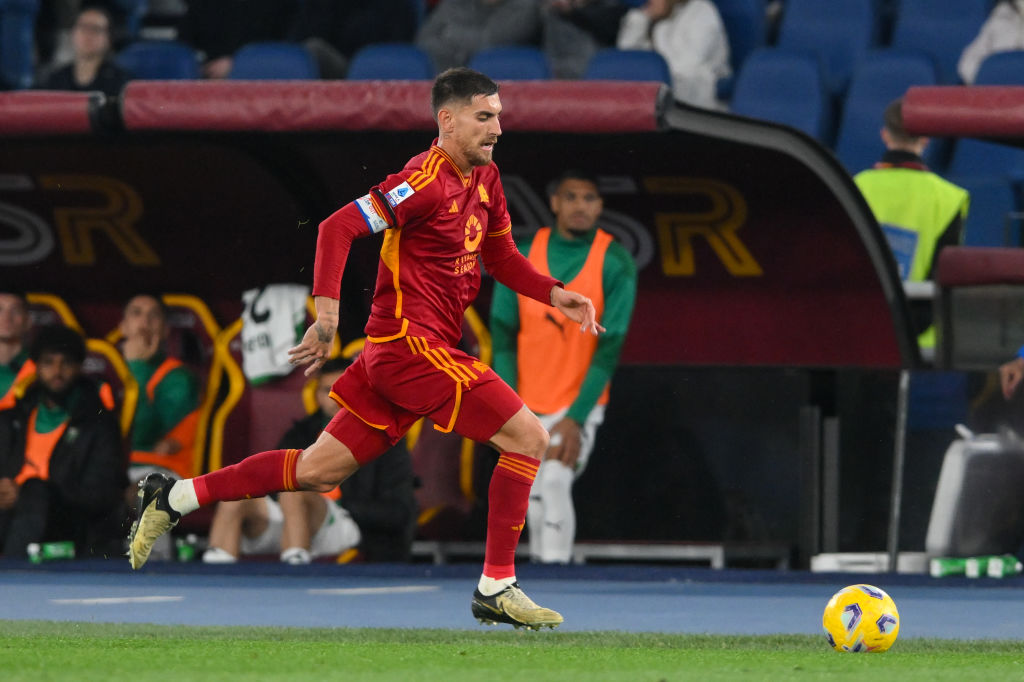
[[1003, 566], [186, 547], [48, 551], [977, 566], [940, 567]]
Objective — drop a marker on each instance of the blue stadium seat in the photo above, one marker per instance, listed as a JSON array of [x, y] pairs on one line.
[[160, 60], [974, 157], [745, 25], [512, 63], [132, 12], [881, 77], [628, 65], [390, 61], [1001, 68], [841, 31], [17, 41], [273, 61], [992, 219], [942, 28], [784, 86]]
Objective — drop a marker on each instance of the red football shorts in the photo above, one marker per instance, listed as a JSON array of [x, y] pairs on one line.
[[391, 385]]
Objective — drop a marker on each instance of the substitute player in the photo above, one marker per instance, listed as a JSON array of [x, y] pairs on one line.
[[563, 377], [442, 215]]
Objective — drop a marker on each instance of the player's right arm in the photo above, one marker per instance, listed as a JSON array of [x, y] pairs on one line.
[[392, 203]]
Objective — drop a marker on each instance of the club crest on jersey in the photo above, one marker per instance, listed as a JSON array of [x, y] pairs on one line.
[[399, 194]]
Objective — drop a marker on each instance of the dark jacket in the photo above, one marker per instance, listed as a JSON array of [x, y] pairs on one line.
[[88, 464], [110, 79], [379, 496]]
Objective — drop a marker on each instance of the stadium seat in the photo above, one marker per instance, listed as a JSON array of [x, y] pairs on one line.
[[841, 31], [993, 219], [1002, 68], [104, 362], [160, 60], [784, 86], [880, 78], [628, 65], [132, 12], [512, 63], [975, 157], [941, 28], [273, 61], [390, 61], [17, 41], [745, 25]]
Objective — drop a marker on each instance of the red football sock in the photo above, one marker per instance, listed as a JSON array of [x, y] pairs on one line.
[[508, 497], [255, 476]]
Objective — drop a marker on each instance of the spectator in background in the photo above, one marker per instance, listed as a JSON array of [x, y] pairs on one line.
[[333, 31], [62, 465], [691, 37], [17, 371], [375, 510], [573, 30], [218, 28], [920, 212], [561, 375], [457, 29], [164, 426], [1003, 31], [91, 67]]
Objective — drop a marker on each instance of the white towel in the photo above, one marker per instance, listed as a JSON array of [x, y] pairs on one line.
[[273, 320]]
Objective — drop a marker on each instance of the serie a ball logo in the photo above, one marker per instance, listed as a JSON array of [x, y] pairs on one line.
[[861, 619]]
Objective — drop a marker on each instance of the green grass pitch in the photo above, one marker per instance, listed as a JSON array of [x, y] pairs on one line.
[[32, 650]]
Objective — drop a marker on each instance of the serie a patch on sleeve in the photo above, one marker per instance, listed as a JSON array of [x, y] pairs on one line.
[[399, 194], [374, 220]]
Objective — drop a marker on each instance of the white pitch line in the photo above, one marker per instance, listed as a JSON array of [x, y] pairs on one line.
[[117, 600], [357, 591]]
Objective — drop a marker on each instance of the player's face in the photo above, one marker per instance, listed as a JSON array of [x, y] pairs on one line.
[[56, 371], [13, 319], [476, 129], [576, 205], [143, 317], [323, 393]]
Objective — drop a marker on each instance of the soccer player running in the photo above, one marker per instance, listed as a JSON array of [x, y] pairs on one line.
[[441, 215]]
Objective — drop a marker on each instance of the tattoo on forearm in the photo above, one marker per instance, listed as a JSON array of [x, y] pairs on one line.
[[322, 335]]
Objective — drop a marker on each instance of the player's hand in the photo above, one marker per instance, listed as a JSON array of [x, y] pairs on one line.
[[314, 348], [566, 442], [142, 346], [577, 308], [8, 493], [1010, 375]]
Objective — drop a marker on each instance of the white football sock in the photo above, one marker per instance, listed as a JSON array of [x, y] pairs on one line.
[[182, 497], [558, 528], [489, 586]]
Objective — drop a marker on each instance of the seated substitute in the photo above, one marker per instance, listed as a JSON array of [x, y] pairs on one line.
[[164, 426], [373, 511], [62, 464], [17, 371]]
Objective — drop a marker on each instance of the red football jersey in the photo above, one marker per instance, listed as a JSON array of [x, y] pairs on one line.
[[429, 268]]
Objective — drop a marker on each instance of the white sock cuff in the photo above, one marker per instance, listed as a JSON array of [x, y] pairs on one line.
[[182, 497]]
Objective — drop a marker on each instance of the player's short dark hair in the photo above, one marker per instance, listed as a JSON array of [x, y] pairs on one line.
[[338, 364], [459, 85], [571, 174], [148, 294], [16, 293], [57, 338], [893, 121]]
